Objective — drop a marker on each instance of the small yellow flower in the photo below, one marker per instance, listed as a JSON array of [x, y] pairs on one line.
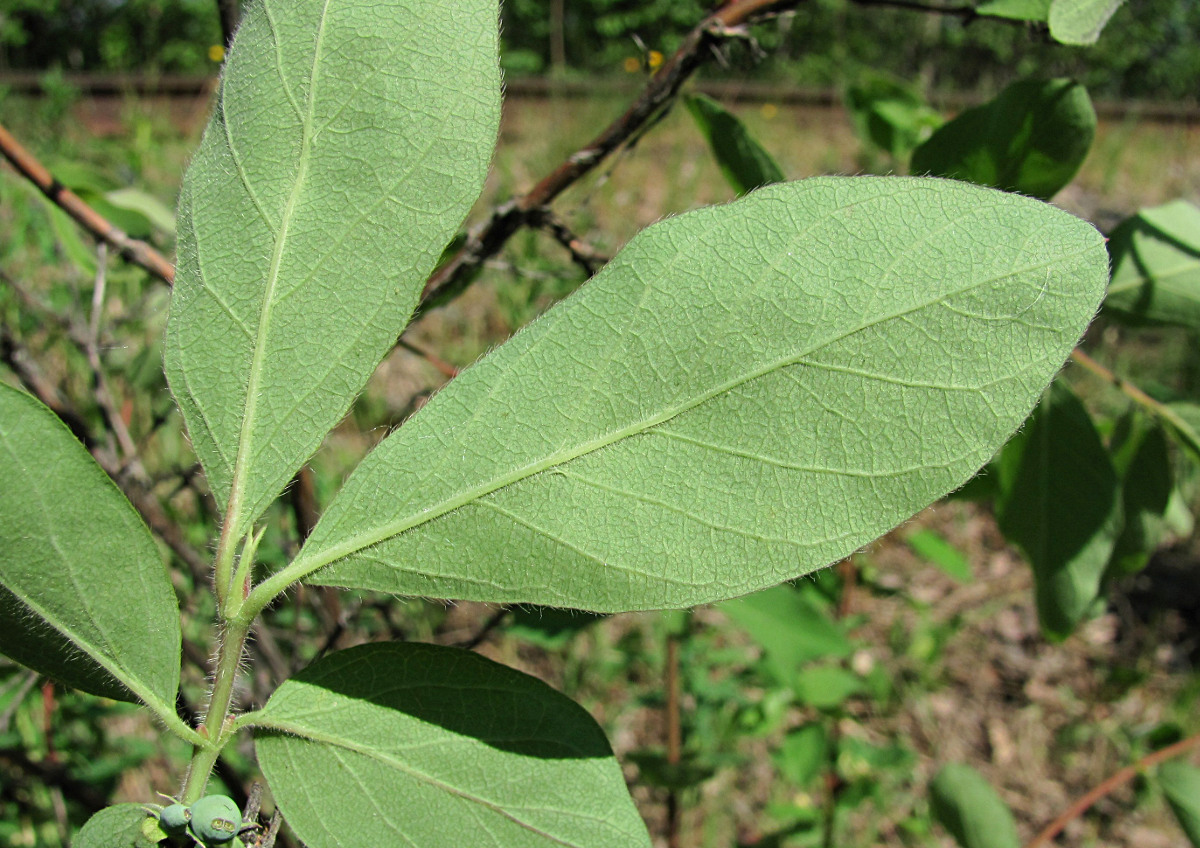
[[632, 65], [216, 53], [769, 110], [654, 60]]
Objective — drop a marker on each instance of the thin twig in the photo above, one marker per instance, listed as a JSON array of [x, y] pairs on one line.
[[582, 253], [136, 251], [1105, 787], [674, 739], [89, 341], [494, 621], [1154, 407], [445, 368], [486, 240]]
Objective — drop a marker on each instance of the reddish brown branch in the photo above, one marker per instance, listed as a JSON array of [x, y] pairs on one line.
[[486, 239], [137, 252], [1105, 787]]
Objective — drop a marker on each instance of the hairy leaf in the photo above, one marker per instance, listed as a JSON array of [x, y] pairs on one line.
[[1031, 138], [966, 805], [1080, 21], [424, 746], [1062, 507], [119, 826], [84, 595], [745, 163], [1156, 267], [747, 393], [348, 142]]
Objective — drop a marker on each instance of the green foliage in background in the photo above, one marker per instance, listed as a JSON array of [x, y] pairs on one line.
[[743, 395]]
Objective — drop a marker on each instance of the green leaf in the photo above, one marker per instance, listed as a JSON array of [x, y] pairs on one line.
[[803, 754], [424, 746], [119, 826], [934, 548], [1031, 139], [1180, 783], [1080, 21], [889, 114], [1021, 10], [789, 627], [746, 394], [826, 687], [1183, 423], [144, 204], [744, 162], [348, 142], [654, 769], [1062, 508], [1142, 460], [965, 804], [84, 595], [1156, 267]]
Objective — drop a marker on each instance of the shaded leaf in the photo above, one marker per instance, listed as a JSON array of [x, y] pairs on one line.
[[1180, 782], [1062, 508], [744, 162], [84, 595], [1141, 459], [548, 627], [655, 770], [150, 207], [1080, 21], [403, 743], [1031, 138], [803, 754], [965, 804], [1183, 423], [790, 629], [890, 115], [1021, 10], [1156, 267], [747, 393], [118, 826], [348, 142]]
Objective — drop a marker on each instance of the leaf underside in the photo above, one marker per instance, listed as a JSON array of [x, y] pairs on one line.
[[84, 596], [348, 142], [425, 746], [747, 393]]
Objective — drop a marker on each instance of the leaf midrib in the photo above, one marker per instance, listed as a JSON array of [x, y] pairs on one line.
[[302, 567], [374, 753], [237, 483]]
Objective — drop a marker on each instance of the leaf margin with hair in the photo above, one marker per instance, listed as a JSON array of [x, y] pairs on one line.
[[85, 521], [429, 726], [426, 547], [321, 195]]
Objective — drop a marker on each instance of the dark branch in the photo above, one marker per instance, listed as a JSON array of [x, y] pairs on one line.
[[486, 240]]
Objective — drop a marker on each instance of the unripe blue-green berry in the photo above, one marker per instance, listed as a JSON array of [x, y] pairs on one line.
[[174, 819], [216, 820]]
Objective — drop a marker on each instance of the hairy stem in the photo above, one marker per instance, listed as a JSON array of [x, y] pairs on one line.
[[204, 757]]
